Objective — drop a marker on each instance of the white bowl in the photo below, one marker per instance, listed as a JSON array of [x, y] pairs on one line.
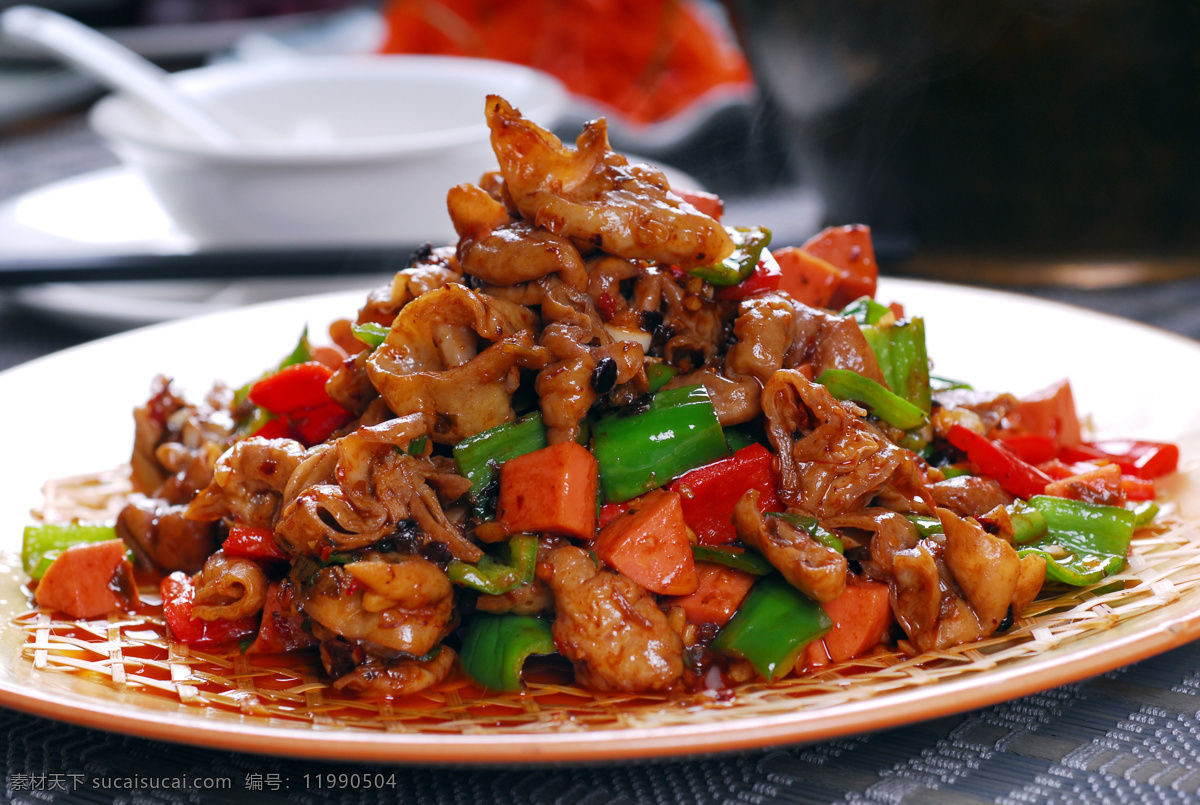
[[359, 151]]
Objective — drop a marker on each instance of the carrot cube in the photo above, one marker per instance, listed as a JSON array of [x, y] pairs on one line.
[[862, 617], [809, 279], [89, 580], [719, 592], [649, 544], [552, 489]]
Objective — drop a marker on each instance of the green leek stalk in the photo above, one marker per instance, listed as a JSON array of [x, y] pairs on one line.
[[659, 374], [495, 648], [1095, 539], [643, 451], [900, 352], [748, 243], [744, 559], [772, 626], [370, 333], [497, 576], [42, 544], [879, 402], [865, 310], [814, 529], [478, 456]]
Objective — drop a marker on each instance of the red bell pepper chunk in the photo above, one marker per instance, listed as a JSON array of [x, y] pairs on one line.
[[248, 542], [610, 512], [1146, 460], [301, 385], [1033, 448], [1014, 475], [1137, 488], [709, 493], [314, 425], [178, 594], [274, 429], [849, 249]]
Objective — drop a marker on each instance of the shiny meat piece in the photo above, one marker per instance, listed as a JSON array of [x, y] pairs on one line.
[[841, 345], [986, 568], [402, 677], [609, 627], [350, 387], [429, 365], [771, 334], [991, 408], [430, 269], [499, 251], [162, 537], [813, 569], [248, 482], [691, 332], [578, 342], [341, 602], [176, 444], [229, 588], [969, 495], [592, 194], [830, 460], [890, 534], [735, 401], [528, 599], [356, 491]]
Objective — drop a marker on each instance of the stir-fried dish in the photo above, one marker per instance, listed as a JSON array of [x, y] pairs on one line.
[[604, 426]]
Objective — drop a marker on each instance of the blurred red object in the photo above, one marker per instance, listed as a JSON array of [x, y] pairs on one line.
[[647, 59]]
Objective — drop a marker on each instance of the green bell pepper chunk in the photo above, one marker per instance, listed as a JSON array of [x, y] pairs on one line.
[[748, 243], [1095, 539], [900, 352], [926, 526], [643, 451], [1028, 523], [495, 648], [370, 333], [865, 310], [1144, 513], [813, 528], [659, 374], [891, 408], [478, 456], [772, 626], [497, 576], [41, 544], [744, 559]]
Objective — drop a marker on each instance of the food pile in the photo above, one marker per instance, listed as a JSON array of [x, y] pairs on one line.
[[607, 428]]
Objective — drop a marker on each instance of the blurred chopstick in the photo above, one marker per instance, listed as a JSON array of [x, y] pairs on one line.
[[248, 264]]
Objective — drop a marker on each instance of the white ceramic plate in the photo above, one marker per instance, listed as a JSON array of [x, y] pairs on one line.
[[70, 413]]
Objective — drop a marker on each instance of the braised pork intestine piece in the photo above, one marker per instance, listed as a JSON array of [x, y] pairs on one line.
[[248, 482], [578, 341], [691, 326], [428, 270], [593, 194], [986, 408], [500, 251], [162, 537], [176, 444], [357, 490], [830, 460], [429, 365], [400, 606], [609, 627], [812, 568], [400, 677], [957, 588], [228, 588], [969, 495], [735, 400]]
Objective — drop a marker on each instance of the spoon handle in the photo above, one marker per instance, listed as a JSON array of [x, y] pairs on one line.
[[113, 65]]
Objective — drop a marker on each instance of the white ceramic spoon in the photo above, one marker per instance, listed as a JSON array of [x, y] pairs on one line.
[[118, 67]]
